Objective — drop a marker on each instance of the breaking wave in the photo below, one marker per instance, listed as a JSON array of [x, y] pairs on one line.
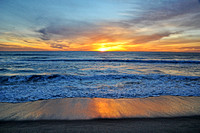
[[115, 60], [36, 87], [54, 77]]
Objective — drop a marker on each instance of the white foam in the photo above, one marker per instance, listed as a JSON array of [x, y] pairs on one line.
[[36, 87]]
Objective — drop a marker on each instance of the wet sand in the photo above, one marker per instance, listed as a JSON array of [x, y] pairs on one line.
[[93, 108], [152, 114], [137, 125]]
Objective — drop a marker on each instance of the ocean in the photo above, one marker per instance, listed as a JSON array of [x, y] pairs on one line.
[[31, 76]]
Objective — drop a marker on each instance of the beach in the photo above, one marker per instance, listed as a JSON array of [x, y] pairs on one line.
[[100, 66], [101, 108], [152, 114], [99, 92]]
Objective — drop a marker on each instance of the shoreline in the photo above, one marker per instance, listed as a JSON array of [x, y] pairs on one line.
[[164, 114], [101, 108], [105, 119]]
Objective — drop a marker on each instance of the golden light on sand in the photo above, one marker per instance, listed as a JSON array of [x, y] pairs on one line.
[[91, 108]]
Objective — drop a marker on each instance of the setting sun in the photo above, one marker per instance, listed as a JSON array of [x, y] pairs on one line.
[[103, 49], [114, 48], [106, 26], [110, 63], [110, 46]]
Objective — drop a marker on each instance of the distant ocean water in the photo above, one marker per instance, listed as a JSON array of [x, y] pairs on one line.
[[31, 76]]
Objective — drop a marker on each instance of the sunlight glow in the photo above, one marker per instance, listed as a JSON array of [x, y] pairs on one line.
[[103, 49], [111, 46]]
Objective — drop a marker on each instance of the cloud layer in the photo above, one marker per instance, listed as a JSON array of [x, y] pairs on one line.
[[151, 25]]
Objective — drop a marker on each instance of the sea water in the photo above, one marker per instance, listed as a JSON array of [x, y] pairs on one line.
[[31, 76]]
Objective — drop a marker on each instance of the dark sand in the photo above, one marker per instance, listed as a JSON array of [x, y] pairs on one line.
[[137, 125]]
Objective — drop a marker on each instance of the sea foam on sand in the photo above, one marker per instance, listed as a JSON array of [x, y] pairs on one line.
[[91, 108]]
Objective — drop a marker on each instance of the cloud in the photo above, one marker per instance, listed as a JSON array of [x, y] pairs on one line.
[[145, 23], [44, 34], [58, 46], [165, 15], [153, 20], [66, 29], [191, 48], [6, 47], [149, 38], [191, 21], [154, 10]]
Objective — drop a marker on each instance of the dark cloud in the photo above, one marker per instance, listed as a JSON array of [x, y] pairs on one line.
[[44, 34], [180, 13], [6, 47], [161, 10], [161, 19], [30, 42], [193, 21], [149, 38], [58, 46], [152, 13], [67, 30]]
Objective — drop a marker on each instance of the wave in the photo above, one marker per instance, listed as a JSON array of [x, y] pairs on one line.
[[36, 87], [4, 70], [21, 54], [30, 78], [57, 77], [128, 61]]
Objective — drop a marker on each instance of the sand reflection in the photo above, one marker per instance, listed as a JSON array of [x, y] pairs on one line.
[[164, 106], [87, 108]]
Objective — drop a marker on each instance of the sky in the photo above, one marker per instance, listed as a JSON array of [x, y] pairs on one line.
[[100, 25]]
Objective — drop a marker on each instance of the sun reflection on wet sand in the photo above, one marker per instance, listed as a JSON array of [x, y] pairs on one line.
[[87, 108], [146, 107]]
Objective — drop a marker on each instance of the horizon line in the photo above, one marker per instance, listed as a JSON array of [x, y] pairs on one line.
[[101, 51]]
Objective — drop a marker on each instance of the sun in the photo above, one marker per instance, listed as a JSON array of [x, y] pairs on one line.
[[102, 49], [110, 46]]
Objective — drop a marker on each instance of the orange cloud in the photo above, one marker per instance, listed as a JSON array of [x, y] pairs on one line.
[[104, 38]]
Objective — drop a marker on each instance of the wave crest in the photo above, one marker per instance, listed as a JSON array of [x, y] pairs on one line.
[[54, 77], [130, 61]]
